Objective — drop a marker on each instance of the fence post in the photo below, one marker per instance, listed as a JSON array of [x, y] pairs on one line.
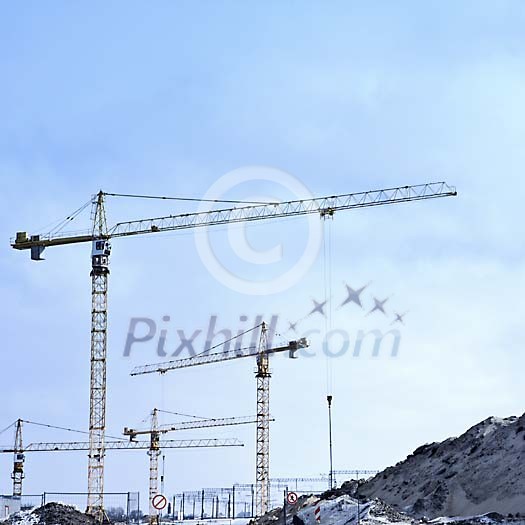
[[284, 505]]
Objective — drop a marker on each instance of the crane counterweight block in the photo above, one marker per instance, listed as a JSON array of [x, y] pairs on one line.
[[36, 253], [23, 241], [296, 345]]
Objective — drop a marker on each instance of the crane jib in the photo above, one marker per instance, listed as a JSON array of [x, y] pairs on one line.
[[206, 358], [324, 206], [128, 445]]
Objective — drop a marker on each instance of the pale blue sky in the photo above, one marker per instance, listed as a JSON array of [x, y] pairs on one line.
[[165, 98]]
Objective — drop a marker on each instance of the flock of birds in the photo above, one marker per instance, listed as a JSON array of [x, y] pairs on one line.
[[353, 297]]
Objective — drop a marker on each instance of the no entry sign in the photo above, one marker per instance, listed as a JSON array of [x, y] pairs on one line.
[[159, 501]]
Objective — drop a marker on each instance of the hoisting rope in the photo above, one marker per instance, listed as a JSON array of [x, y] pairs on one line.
[[327, 277]]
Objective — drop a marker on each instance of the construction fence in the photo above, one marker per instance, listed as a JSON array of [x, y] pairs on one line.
[[233, 502]]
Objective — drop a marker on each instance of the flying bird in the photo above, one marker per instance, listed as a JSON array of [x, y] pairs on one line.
[[318, 307], [399, 318], [292, 326], [354, 295], [379, 306]]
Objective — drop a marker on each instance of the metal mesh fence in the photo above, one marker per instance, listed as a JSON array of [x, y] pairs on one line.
[[233, 502], [228, 503], [28, 502]]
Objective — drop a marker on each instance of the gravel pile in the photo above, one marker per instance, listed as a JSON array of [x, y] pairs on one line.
[[51, 514]]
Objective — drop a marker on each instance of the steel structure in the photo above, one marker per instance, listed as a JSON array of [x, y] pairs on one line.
[[154, 453], [18, 461], [68, 446], [206, 359], [322, 205], [191, 425], [262, 466], [261, 353], [97, 398], [155, 446], [19, 450], [100, 235]]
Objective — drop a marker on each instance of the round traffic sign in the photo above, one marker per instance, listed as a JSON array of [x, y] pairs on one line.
[[159, 501], [291, 498]]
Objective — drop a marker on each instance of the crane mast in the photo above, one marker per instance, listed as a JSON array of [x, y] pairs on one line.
[[154, 453], [18, 461], [262, 469], [101, 250]]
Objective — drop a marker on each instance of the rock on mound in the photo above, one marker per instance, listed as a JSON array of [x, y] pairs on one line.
[[335, 508], [479, 472]]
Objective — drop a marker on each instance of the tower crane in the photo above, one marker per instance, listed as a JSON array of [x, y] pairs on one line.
[[262, 374], [155, 446], [100, 235], [19, 450]]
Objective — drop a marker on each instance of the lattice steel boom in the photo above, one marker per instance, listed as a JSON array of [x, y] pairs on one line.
[[19, 450], [71, 446], [322, 206], [218, 357]]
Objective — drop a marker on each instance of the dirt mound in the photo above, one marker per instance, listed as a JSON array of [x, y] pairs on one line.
[[482, 471], [51, 514], [58, 514]]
